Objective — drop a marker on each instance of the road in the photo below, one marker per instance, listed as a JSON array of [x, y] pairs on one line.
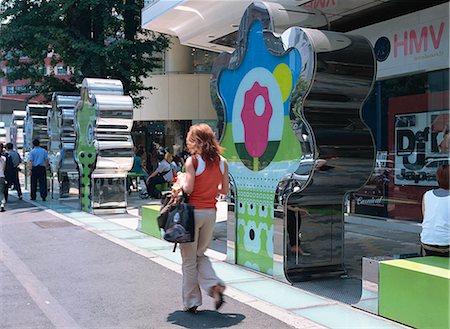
[[58, 275]]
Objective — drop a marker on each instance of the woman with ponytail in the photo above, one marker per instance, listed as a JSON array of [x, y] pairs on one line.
[[206, 177]]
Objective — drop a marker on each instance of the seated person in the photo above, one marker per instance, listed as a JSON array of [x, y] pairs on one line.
[[138, 167], [162, 174], [435, 236]]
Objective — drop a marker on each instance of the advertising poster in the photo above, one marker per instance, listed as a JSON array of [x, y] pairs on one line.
[[421, 145], [418, 140]]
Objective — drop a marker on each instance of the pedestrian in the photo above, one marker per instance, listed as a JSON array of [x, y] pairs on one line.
[[206, 177], [435, 236], [138, 168], [2, 179], [38, 170], [162, 174], [177, 163], [13, 178]]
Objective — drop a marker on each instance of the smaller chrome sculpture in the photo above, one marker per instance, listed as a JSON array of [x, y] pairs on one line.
[[104, 148], [17, 132], [62, 143], [35, 126]]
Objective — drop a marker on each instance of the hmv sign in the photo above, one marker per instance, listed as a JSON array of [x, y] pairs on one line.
[[411, 43]]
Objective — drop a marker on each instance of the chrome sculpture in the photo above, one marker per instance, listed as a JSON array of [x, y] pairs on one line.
[[17, 130], [289, 107], [4, 133], [60, 122], [35, 126], [104, 148]]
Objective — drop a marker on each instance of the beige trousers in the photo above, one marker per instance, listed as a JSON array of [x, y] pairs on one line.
[[197, 269], [2, 191]]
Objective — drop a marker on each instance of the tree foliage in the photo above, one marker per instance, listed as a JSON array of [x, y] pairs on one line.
[[97, 38]]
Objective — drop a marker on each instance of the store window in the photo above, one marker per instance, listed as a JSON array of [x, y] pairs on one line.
[[10, 90], [409, 118], [203, 60], [61, 70], [153, 135]]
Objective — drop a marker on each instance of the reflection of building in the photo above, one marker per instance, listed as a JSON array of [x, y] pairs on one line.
[[411, 44]]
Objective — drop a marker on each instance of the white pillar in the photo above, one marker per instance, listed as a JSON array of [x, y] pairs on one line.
[[178, 59]]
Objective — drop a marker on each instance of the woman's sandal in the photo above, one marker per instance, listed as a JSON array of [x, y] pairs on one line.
[[218, 296], [192, 310]]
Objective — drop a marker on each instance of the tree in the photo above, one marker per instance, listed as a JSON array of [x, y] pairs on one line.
[[97, 38]]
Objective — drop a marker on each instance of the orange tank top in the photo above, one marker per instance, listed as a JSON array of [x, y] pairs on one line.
[[208, 177]]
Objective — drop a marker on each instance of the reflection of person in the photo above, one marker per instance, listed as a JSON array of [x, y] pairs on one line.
[[16, 160], [206, 177], [38, 170], [294, 222], [435, 236]]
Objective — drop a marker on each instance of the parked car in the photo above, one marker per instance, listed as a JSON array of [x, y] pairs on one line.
[[426, 173]]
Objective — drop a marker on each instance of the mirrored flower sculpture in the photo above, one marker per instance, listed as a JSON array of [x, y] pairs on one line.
[[289, 104]]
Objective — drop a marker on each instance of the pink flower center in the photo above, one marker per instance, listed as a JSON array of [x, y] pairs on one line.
[[256, 114]]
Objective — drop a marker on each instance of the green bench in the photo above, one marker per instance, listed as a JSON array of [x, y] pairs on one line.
[[162, 187], [132, 176], [415, 291], [149, 221]]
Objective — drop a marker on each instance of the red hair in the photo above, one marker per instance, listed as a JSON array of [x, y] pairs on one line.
[[201, 140]]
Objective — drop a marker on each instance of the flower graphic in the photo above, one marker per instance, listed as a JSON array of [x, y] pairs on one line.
[[252, 236], [256, 114], [255, 88]]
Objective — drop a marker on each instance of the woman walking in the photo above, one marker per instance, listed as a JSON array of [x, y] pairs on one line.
[[3, 187], [206, 177]]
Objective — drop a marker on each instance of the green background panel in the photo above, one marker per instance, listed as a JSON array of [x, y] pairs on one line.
[[418, 298], [85, 152], [149, 222]]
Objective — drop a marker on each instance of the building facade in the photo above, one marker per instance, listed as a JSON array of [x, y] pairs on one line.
[[408, 110]]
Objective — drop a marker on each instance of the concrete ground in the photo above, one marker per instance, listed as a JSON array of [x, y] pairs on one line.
[[99, 272]]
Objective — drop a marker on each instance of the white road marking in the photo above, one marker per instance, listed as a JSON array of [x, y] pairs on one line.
[[37, 290]]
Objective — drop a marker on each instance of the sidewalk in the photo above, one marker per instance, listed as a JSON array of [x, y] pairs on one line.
[[292, 305]]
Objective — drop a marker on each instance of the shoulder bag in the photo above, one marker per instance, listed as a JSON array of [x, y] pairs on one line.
[[180, 225]]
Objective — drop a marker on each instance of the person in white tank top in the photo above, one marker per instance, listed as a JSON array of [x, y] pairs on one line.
[[435, 236]]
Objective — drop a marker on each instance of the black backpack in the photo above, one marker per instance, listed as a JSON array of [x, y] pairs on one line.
[[9, 170]]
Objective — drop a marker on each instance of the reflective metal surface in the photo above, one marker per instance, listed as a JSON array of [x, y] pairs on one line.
[[104, 148], [17, 131], [62, 136], [35, 125], [108, 194], [337, 150], [308, 176]]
